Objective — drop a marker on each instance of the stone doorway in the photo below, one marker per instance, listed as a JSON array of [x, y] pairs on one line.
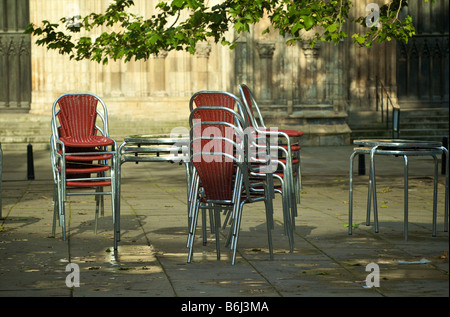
[[15, 56], [422, 63]]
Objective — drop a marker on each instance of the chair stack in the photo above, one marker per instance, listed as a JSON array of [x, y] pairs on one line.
[[284, 145], [83, 156], [231, 164]]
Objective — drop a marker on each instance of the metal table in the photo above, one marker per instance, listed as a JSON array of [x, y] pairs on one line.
[[405, 148], [150, 148], [147, 148]]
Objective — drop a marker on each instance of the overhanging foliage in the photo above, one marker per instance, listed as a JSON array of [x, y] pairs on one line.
[[297, 20]]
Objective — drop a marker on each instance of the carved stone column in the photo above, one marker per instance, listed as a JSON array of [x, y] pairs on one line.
[[265, 51], [313, 79], [25, 73], [157, 74], [241, 62], [202, 52]]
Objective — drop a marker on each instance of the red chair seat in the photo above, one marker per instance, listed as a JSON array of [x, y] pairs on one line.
[[91, 141], [87, 158], [87, 169], [290, 133], [294, 148], [88, 184], [294, 161]]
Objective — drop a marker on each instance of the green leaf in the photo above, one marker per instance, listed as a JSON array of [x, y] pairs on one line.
[[332, 28], [154, 38], [177, 3], [297, 26], [238, 26], [359, 39], [309, 22]]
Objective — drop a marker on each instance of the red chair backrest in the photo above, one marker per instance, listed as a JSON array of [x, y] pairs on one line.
[[77, 116]]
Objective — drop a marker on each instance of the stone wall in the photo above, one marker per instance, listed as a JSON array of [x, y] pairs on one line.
[[310, 89]]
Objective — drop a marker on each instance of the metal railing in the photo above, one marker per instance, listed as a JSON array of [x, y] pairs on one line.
[[384, 105]]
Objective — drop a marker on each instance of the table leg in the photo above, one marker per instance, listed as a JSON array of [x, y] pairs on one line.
[[446, 189], [435, 192], [369, 198], [374, 190], [350, 198], [204, 211], [405, 225], [188, 183], [1, 171]]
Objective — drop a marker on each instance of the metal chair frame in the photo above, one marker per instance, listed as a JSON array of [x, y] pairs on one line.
[[268, 167], [251, 106], [290, 183]]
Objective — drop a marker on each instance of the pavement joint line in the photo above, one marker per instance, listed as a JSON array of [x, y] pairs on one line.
[[150, 245], [333, 259], [183, 201], [68, 236], [260, 274], [17, 202], [68, 218], [254, 267]]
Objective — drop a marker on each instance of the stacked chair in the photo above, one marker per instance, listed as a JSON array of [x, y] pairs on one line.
[[287, 138], [288, 153], [226, 172], [83, 156]]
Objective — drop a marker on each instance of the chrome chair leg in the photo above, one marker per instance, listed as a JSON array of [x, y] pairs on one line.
[[373, 188], [405, 224], [435, 192], [446, 211], [350, 195]]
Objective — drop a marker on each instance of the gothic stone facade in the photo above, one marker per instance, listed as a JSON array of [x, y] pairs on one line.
[[319, 90]]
